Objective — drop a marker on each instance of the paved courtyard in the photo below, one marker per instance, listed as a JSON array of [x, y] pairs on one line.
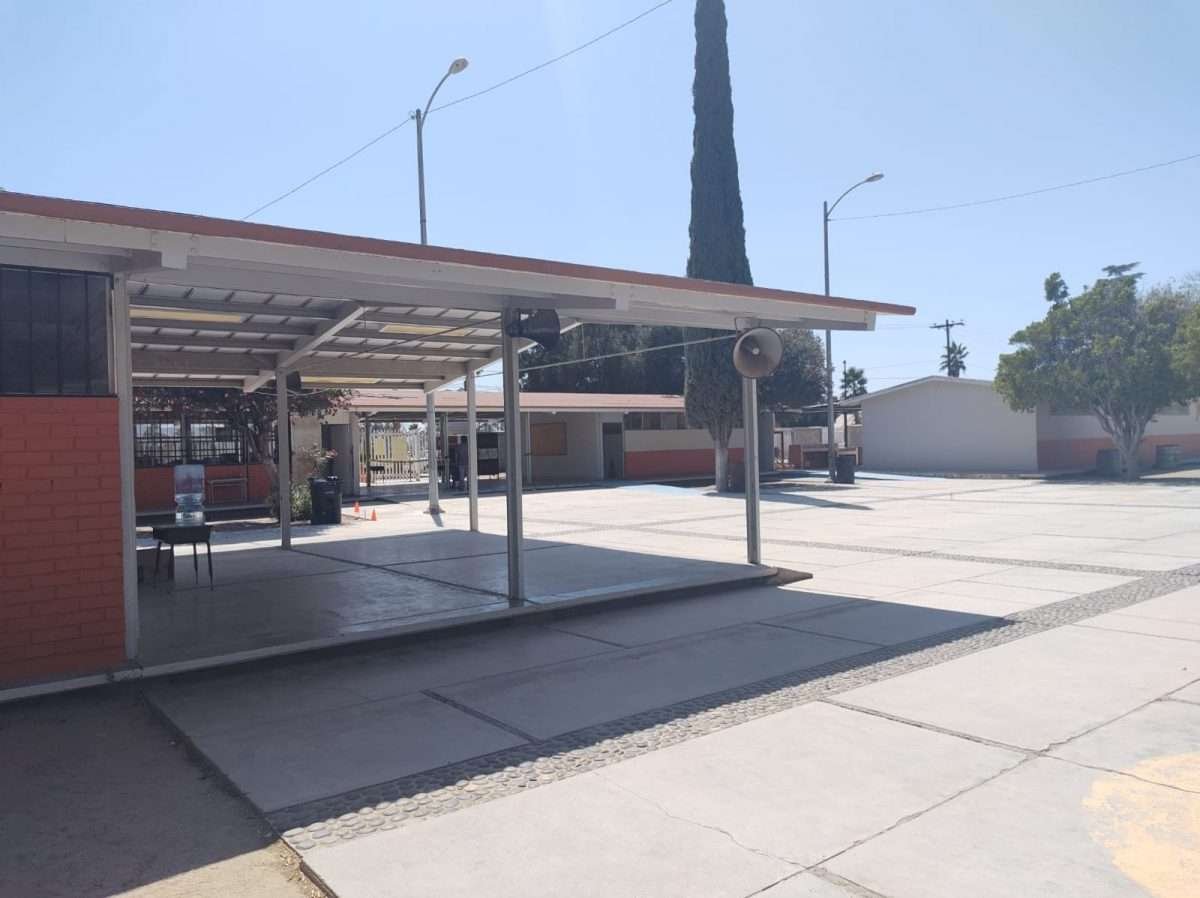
[[988, 688]]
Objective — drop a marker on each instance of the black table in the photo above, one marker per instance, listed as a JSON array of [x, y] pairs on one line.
[[180, 535]]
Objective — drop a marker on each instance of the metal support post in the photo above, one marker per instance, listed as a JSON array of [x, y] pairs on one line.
[[472, 452], [122, 369], [431, 439], [750, 458], [283, 443], [513, 461]]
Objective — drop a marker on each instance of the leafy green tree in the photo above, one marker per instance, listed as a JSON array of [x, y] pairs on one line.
[[631, 372], [800, 378], [1108, 350], [1185, 350], [254, 412], [954, 359], [1056, 288], [854, 382], [717, 233]]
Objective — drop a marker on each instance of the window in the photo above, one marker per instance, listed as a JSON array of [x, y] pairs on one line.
[[157, 441], [53, 332], [633, 421], [548, 439], [214, 443]]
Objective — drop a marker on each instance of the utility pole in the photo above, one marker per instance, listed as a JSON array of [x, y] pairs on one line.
[[947, 326]]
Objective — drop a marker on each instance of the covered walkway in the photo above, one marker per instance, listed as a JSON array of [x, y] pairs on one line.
[[204, 302]]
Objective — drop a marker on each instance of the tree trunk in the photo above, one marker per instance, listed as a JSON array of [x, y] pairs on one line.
[[1127, 446], [721, 464]]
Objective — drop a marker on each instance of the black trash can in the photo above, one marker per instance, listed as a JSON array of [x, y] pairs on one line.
[[845, 468], [326, 495]]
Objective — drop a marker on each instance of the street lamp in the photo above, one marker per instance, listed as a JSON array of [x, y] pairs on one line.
[[828, 210], [420, 115]]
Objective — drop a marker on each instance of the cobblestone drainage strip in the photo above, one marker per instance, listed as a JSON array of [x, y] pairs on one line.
[[391, 804]]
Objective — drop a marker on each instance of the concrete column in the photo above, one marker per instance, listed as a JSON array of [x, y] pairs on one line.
[[472, 452], [122, 372], [750, 456], [283, 440], [356, 455], [513, 461], [431, 440]]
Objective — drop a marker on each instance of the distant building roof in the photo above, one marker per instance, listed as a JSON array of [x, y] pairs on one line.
[[922, 382], [404, 401]]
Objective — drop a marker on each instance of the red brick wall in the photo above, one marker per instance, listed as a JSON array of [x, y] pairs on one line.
[[154, 488], [1081, 453], [61, 596]]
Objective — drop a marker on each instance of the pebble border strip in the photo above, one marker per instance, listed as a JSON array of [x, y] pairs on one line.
[[388, 805]]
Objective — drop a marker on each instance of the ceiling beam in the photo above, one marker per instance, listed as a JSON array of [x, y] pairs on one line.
[[150, 301], [375, 334], [150, 362], [227, 327], [211, 342], [321, 367], [324, 334]]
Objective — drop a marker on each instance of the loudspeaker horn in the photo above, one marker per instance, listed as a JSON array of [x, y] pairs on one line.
[[757, 352], [541, 326]]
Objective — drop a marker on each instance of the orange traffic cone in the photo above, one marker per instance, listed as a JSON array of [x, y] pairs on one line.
[[357, 509], [374, 517]]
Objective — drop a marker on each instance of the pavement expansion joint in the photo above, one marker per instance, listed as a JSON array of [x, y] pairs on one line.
[[402, 801]]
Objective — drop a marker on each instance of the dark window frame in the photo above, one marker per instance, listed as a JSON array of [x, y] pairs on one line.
[[96, 368]]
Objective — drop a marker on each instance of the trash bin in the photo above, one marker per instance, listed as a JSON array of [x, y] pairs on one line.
[[845, 468], [326, 495]]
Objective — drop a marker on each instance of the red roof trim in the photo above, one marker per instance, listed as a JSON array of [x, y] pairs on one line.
[[127, 216]]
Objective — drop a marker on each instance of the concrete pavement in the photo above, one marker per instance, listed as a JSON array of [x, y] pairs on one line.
[[988, 689]]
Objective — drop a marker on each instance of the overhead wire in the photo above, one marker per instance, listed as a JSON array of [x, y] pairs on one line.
[[1022, 195], [472, 96]]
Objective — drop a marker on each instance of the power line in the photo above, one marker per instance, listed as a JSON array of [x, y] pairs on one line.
[[613, 355], [479, 93], [1027, 193]]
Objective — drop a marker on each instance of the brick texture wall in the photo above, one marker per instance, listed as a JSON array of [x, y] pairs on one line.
[[61, 597]]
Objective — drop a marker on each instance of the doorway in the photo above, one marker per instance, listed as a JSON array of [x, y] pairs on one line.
[[613, 444]]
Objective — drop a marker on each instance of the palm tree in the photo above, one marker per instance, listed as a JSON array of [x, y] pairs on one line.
[[954, 359], [854, 382]]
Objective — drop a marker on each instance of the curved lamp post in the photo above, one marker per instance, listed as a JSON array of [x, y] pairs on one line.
[[828, 210], [420, 115], [430, 417]]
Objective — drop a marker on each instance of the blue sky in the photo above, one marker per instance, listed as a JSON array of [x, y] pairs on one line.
[[216, 107]]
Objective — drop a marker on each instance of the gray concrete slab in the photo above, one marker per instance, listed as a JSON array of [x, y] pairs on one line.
[[1147, 626], [1160, 742], [667, 620], [882, 623], [582, 837], [911, 572], [1188, 694], [806, 885], [773, 782], [411, 548], [1036, 691], [575, 694], [201, 623], [222, 701], [577, 571], [947, 597], [281, 763], [1074, 582], [237, 566], [1047, 828]]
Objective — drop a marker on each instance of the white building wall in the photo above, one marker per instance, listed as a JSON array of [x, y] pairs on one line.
[[583, 459], [947, 425]]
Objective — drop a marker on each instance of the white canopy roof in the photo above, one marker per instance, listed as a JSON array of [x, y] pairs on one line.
[[223, 302]]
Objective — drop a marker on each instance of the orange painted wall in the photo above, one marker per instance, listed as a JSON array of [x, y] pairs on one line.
[[1081, 452], [154, 488], [662, 463], [61, 594]]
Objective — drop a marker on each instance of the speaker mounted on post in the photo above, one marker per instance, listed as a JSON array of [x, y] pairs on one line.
[[541, 326], [757, 352]]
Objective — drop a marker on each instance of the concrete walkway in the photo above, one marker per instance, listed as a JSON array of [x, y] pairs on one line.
[[988, 689]]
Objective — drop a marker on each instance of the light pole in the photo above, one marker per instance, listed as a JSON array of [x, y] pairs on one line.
[[827, 211], [430, 422], [420, 115]]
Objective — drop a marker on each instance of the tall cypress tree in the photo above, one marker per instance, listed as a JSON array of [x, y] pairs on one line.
[[718, 235]]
